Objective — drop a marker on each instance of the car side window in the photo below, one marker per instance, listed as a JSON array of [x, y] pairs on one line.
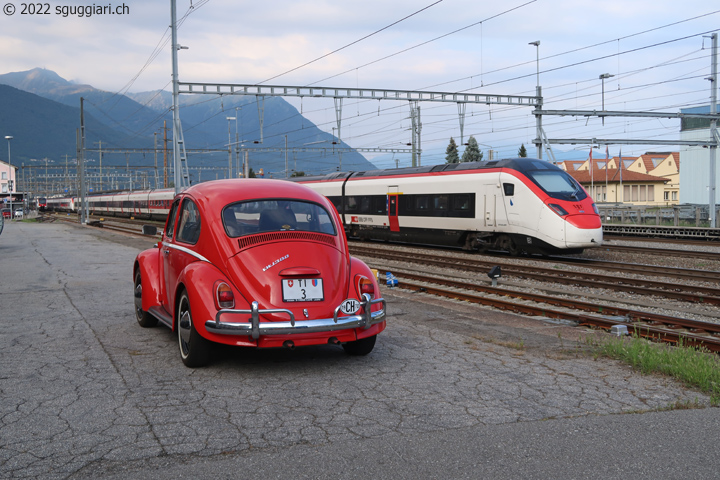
[[509, 189], [189, 226], [171, 220]]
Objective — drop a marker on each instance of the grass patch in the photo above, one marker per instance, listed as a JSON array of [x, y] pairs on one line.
[[695, 367]]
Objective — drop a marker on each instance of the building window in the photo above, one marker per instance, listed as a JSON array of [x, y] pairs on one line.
[[674, 196], [4, 175], [643, 193], [666, 196], [651, 193], [635, 193]]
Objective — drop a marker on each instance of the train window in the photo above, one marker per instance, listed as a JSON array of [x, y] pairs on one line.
[[171, 221], [365, 205], [440, 202], [189, 226], [380, 207], [337, 201], [509, 189], [351, 204], [461, 202], [422, 202]]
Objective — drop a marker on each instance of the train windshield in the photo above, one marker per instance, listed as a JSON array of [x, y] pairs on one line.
[[557, 183]]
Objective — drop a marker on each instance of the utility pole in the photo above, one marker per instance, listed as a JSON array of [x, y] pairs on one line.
[[538, 93], [165, 151], [81, 163], [155, 151], [713, 129]]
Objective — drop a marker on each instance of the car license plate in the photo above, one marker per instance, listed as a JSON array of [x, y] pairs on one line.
[[302, 290]]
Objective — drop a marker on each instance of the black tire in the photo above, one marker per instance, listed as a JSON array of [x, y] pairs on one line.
[[194, 349], [360, 347], [144, 319]]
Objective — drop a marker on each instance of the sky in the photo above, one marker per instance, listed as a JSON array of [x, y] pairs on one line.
[[658, 53]]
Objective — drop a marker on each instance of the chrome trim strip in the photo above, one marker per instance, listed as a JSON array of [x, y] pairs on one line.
[[255, 328], [186, 250]]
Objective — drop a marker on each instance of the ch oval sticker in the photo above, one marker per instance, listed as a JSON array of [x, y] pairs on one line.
[[350, 306]]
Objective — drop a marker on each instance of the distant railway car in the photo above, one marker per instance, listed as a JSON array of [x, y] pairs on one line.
[[61, 204], [519, 205], [42, 204], [153, 204]]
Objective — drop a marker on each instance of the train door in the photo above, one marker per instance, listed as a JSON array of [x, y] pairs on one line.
[[492, 206], [392, 208]]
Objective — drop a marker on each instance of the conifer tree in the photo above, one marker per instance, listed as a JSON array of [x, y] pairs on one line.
[[522, 152], [472, 152], [451, 153]]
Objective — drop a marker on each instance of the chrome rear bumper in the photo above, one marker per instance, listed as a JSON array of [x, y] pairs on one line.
[[255, 327]]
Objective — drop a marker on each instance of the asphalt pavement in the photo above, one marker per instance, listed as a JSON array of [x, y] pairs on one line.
[[451, 390]]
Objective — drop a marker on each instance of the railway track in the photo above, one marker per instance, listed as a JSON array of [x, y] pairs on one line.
[[687, 293], [715, 256], [646, 324]]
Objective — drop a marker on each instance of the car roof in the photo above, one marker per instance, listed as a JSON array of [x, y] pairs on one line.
[[218, 193]]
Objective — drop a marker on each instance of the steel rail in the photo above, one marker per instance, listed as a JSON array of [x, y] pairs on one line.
[[688, 293], [663, 251], [645, 324]]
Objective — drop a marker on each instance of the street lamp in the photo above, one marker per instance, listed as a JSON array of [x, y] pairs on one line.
[[538, 94], [603, 77], [537, 62]]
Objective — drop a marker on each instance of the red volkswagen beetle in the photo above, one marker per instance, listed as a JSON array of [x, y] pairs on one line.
[[256, 263]]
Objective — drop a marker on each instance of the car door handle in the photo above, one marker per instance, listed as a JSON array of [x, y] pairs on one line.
[[166, 251]]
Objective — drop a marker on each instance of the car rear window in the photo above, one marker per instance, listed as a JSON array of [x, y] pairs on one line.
[[276, 215]]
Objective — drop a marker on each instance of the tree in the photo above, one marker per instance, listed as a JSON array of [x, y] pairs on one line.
[[522, 152], [451, 153], [472, 152]]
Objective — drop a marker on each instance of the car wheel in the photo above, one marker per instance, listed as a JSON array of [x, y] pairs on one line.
[[143, 318], [194, 349], [360, 347]]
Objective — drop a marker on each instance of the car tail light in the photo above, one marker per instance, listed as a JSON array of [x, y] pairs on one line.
[[558, 209], [365, 285], [224, 296]]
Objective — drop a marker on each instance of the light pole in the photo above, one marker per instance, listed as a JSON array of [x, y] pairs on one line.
[[537, 61], [538, 93], [10, 182], [603, 77], [229, 147]]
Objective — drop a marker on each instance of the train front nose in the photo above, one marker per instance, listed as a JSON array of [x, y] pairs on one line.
[[583, 231]]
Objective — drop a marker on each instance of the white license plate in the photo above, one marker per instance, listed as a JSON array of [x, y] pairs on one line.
[[302, 290]]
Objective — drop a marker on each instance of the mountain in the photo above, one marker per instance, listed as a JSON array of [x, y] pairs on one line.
[[131, 121], [42, 128]]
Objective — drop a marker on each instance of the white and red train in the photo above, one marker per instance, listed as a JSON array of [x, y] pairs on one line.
[[521, 205], [146, 204]]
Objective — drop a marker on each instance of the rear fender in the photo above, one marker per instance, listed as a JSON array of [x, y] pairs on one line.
[[147, 262], [199, 280]]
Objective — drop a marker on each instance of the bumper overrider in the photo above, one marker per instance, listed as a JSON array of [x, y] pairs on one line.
[[255, 327]]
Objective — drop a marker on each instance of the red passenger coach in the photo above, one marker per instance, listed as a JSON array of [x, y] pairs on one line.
[[256, 263]]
